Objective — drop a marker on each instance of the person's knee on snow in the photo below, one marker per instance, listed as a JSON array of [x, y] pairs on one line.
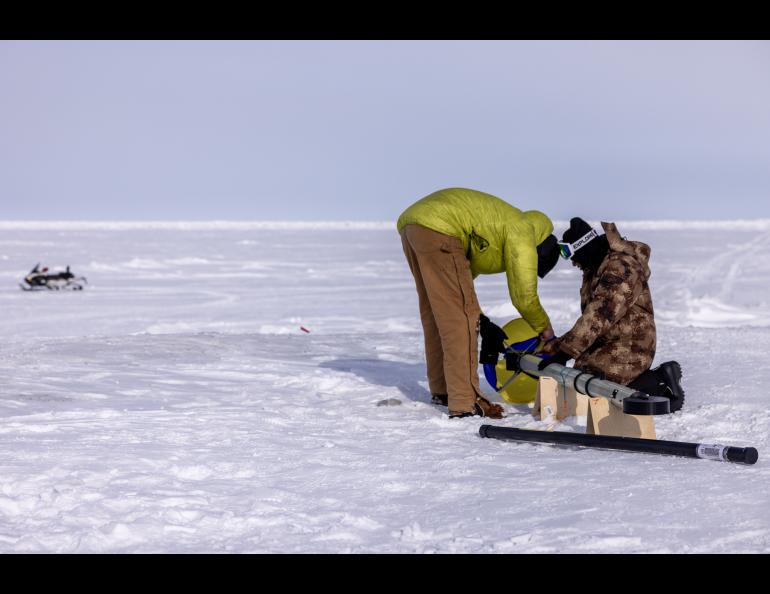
[[615, 333]]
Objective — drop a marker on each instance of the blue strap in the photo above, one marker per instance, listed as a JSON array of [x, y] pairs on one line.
[[523, 347], [491, 375]]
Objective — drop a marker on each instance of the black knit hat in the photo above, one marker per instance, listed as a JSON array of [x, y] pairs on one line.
[[577, 229], [592, 252], [547, 255]]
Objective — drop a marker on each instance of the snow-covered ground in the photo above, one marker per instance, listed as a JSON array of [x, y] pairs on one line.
[[175, 405]]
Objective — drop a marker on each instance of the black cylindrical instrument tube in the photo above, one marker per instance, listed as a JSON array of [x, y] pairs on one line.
[[722, 453]]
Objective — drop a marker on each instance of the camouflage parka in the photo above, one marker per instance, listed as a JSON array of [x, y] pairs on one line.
[[615, 336]]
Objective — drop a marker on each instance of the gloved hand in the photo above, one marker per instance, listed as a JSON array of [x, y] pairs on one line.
[[547, 334], [551, 347], [560, 357], [492, 337]]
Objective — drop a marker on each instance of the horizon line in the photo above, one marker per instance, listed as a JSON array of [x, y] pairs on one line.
[[245, 225]]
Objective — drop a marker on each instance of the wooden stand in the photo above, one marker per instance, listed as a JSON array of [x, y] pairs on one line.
[[554, 402]]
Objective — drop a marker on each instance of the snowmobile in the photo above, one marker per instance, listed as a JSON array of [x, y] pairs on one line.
[[38, 280]]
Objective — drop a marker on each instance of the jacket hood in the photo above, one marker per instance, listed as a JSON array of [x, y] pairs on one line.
[[636, 249], [540, 223]]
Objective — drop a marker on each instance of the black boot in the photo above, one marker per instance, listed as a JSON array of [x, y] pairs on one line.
[[662, 381], [670, 373]]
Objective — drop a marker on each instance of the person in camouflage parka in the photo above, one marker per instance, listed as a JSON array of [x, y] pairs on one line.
[[615, 336]]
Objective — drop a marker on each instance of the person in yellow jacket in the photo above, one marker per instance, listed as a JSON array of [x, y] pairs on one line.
[[449, 238]]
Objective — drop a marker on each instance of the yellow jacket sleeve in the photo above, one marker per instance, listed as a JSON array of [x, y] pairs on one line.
[[521, 273]]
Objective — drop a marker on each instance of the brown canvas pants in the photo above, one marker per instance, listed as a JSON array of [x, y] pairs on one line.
[[449, 310]]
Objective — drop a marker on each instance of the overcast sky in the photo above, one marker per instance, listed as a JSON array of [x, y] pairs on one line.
[[358, 130]]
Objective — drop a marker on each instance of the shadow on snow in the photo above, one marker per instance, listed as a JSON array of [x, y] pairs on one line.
[[393, 374]]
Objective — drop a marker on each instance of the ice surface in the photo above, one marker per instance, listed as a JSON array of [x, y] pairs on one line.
[[175, 405]]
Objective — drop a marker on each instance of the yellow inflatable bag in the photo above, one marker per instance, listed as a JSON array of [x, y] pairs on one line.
[[522, 388]]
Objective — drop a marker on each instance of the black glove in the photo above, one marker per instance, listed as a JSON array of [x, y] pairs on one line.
[[492, 337], [560, 357]]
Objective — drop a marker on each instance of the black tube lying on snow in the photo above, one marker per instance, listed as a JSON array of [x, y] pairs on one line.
[[629, 444]]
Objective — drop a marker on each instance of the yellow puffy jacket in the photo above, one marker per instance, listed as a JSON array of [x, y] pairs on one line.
[[497, 237]]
